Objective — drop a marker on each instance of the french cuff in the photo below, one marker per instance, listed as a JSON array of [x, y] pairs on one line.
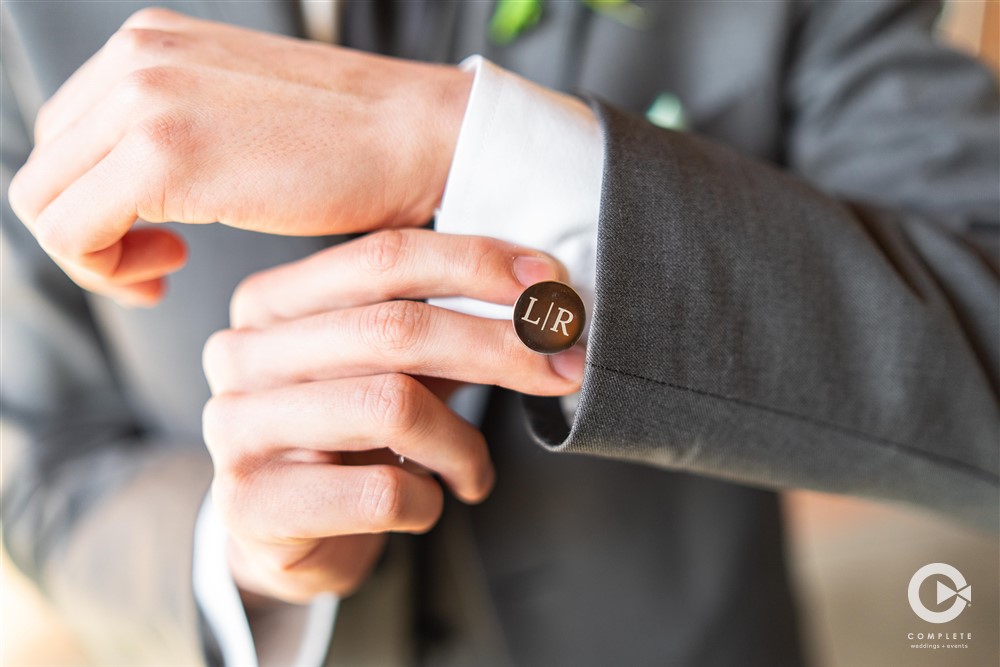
[[220, 603], [527, 169]]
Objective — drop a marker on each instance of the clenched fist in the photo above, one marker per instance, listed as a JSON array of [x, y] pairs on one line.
[[180, 119], [331, 373]]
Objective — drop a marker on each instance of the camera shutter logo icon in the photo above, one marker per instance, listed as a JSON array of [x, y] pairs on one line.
[[959, 589]]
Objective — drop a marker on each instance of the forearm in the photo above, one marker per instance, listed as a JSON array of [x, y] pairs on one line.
[[751, 327]]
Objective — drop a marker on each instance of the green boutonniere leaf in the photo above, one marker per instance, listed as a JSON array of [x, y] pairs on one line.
[[512, 17], [623, 11]]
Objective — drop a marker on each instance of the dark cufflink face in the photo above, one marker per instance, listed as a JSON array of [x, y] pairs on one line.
[[549, 317]]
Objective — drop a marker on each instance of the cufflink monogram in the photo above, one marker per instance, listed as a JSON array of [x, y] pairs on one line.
[[549, 317]]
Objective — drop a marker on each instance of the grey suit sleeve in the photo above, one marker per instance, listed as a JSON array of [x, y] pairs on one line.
[[98, 512], [834, 328]]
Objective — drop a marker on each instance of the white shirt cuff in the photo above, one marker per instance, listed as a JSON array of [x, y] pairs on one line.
[[527, 169], [220, 603]]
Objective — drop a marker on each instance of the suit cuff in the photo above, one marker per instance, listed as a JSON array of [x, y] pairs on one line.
[[220, 603]]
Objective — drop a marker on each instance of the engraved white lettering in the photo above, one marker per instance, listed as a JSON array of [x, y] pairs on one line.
[[562, 322], [547, 315], [531, 305]]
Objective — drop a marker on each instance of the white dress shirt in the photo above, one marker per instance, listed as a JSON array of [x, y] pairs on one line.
[[527, 169]]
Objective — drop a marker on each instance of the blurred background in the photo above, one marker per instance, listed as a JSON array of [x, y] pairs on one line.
[[841, 549]]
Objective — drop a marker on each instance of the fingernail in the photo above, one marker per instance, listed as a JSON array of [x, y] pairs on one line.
[[570, 364], [530, 270]]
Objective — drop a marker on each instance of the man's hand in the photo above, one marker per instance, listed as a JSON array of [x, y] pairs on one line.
[[179, 119], [327, 376]]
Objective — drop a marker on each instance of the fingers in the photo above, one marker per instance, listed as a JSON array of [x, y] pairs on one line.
[[141, 259], [54, 165], [84, 226], [391, 264], [291, 502], [358, 414], [80, 192], [296, 573], [148, 253], [300, 529], [395, 336]]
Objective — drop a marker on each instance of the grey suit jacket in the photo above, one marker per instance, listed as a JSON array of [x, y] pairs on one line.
[[801, 293]]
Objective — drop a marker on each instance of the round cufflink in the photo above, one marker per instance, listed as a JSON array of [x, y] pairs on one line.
[[549, 317]]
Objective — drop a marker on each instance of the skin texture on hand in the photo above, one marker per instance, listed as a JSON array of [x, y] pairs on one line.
[[180, 119], [328, 375]]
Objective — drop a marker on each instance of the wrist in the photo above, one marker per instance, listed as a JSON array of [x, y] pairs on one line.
[[438, 107]]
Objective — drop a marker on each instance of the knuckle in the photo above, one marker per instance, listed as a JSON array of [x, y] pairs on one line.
[[152, 17], [226, 496], [219, 359], [217, 418], [488, 261], [395, 325], [476, 249], [480, 471], [424, 524], [245, 301], [381, 499], [151, 83], [237, 494], [17, 195], [164, 144], [134, 94], [164, 134], [52, 239], [43, 118], [393, 402], [511, 354], [510, 350], [383, 250], [130, 42]]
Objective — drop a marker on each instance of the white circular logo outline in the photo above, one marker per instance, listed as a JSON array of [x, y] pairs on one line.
[[962, 593]]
